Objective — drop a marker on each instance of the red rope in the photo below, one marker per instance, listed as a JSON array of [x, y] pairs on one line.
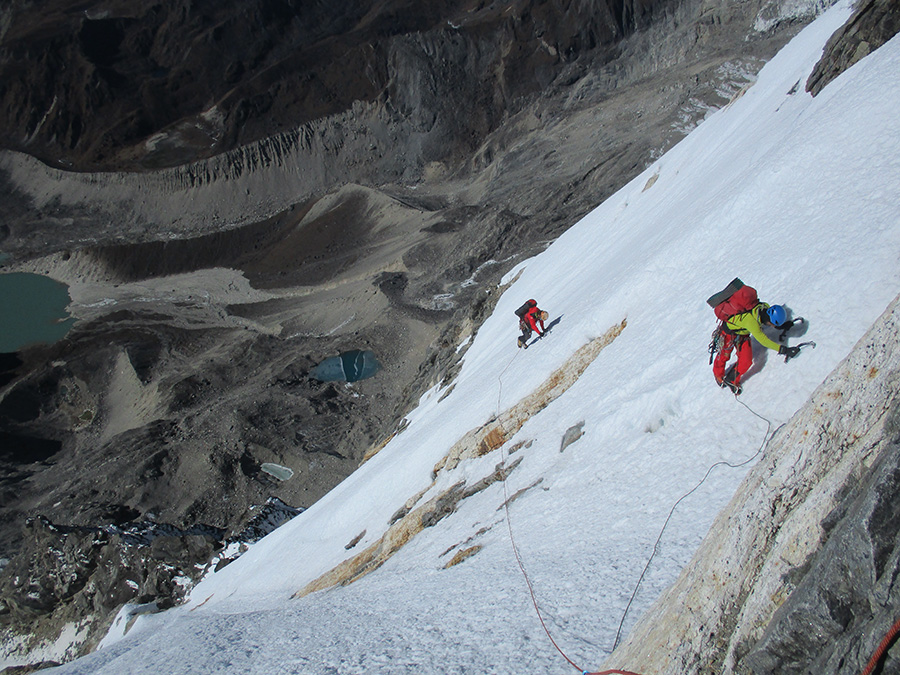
[[512, 539], [538, 611], [515, 549], [882, 648], [528, 581]]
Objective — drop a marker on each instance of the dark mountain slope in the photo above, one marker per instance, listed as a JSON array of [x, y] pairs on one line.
[[86, 85]]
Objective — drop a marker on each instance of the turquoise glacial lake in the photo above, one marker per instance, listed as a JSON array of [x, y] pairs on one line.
[[32, 311], [349, 366]]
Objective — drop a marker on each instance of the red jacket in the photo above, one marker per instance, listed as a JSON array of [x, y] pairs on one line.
[[532, 321]]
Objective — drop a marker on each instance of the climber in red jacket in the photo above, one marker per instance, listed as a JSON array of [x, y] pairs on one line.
[[528, 322]]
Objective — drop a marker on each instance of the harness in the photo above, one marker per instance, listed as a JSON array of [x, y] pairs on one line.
[[717, 339]]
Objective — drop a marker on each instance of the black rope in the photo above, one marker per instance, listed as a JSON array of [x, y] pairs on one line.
[[762, 447]]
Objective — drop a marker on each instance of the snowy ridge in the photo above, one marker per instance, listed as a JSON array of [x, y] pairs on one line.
[[795, 195]]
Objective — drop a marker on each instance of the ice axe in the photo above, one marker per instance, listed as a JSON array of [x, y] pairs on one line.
[[801, 346]]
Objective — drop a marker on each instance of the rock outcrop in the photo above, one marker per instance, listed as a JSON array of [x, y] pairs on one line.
[[80, 576], [873, 23]]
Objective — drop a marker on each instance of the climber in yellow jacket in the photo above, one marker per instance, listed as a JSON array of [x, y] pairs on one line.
[[736, 331]]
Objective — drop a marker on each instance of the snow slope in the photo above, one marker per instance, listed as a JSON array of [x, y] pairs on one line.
[[798, 197]]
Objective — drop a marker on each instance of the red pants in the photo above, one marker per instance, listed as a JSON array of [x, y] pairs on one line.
[[744, 354]]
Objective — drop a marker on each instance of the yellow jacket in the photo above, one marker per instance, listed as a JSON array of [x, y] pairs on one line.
[[748, 323]]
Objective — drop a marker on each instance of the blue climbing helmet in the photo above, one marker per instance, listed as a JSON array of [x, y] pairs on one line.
[[777, 315]]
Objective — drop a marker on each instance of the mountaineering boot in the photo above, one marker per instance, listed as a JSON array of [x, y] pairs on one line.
[[735, 388], [729, 381]]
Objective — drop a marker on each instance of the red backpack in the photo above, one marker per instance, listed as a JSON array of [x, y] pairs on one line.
[[735, 298]]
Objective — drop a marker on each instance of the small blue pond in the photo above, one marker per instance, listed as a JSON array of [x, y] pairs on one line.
[[32, 310], [348, 367]]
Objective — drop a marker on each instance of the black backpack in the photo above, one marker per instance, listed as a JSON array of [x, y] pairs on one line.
[[524, 308]]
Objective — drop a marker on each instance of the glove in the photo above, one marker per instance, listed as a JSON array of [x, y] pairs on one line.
[[784, 329], [789, 352]]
